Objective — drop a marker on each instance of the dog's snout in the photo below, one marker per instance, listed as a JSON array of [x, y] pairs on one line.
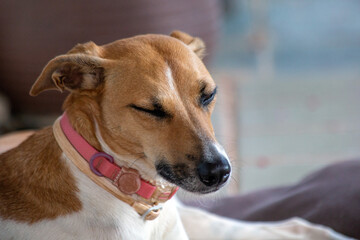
[[215, 171]]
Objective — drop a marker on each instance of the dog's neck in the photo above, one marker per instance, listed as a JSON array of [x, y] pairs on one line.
[[125, 184], [84, 112]]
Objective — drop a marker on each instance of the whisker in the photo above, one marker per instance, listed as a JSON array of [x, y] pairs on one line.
[[232, 178], [132, 164]]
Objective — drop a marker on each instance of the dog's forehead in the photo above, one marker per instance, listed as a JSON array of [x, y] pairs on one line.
[[161, 44], [153, 60]]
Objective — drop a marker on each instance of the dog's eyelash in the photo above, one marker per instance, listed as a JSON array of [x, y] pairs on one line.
[[206, 99], [157, 112]]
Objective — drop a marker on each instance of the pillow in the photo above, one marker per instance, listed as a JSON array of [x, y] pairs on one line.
[[330, 197]]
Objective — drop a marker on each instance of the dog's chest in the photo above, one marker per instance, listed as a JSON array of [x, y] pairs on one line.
[[91, 225], [108, 218], [102, 216], [105, 217]]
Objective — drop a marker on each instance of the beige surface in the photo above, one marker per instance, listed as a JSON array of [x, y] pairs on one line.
[[203, 225], [11, 140]]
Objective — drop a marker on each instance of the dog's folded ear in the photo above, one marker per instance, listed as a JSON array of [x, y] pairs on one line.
[[194, 43], [89, 48], [73, 72]]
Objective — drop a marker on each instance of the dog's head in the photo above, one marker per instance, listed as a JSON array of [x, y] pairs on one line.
[[148, 100]]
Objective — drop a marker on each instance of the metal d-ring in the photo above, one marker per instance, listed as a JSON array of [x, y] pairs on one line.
[[96, 155]]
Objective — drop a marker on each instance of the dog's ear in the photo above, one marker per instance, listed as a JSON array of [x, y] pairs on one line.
[[194, 43], [89, 48], [73, 72]]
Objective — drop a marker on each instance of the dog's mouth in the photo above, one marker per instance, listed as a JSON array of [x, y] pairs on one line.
[[204, 178]]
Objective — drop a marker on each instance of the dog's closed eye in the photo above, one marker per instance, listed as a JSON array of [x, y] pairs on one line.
[[157, 111]]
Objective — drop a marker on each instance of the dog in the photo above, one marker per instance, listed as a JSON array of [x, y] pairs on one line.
[[136, 126]]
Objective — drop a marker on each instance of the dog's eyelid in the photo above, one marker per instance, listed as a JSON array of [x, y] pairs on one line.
[[141, 106], [206, 99], [214, 91], [204, 90], [206, 86], [157, 111]]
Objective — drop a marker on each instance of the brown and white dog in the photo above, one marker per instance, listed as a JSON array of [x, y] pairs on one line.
[[147, 102]]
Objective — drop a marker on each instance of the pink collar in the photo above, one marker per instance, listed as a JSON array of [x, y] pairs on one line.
[[127, 180]]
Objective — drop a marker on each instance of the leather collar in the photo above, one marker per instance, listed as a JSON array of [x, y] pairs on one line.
[[125, 184]]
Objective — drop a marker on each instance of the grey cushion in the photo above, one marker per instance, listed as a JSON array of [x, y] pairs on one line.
[[330, 196]]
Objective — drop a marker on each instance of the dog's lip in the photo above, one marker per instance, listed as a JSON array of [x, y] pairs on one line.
[[203, 189], [167, 176]]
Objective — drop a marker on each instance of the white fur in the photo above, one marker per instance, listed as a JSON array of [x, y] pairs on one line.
[[169, 78], [102, 217]]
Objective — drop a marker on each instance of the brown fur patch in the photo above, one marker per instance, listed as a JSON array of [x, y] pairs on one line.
[[34, 182]]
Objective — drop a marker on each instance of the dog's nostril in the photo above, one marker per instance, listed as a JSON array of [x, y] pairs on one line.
[[213, 173], [225, 178], [225, 173]]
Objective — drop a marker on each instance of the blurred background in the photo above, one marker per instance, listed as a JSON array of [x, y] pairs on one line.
[[288, 72]]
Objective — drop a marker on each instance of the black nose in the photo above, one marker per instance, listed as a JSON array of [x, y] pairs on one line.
[[215, 171]]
